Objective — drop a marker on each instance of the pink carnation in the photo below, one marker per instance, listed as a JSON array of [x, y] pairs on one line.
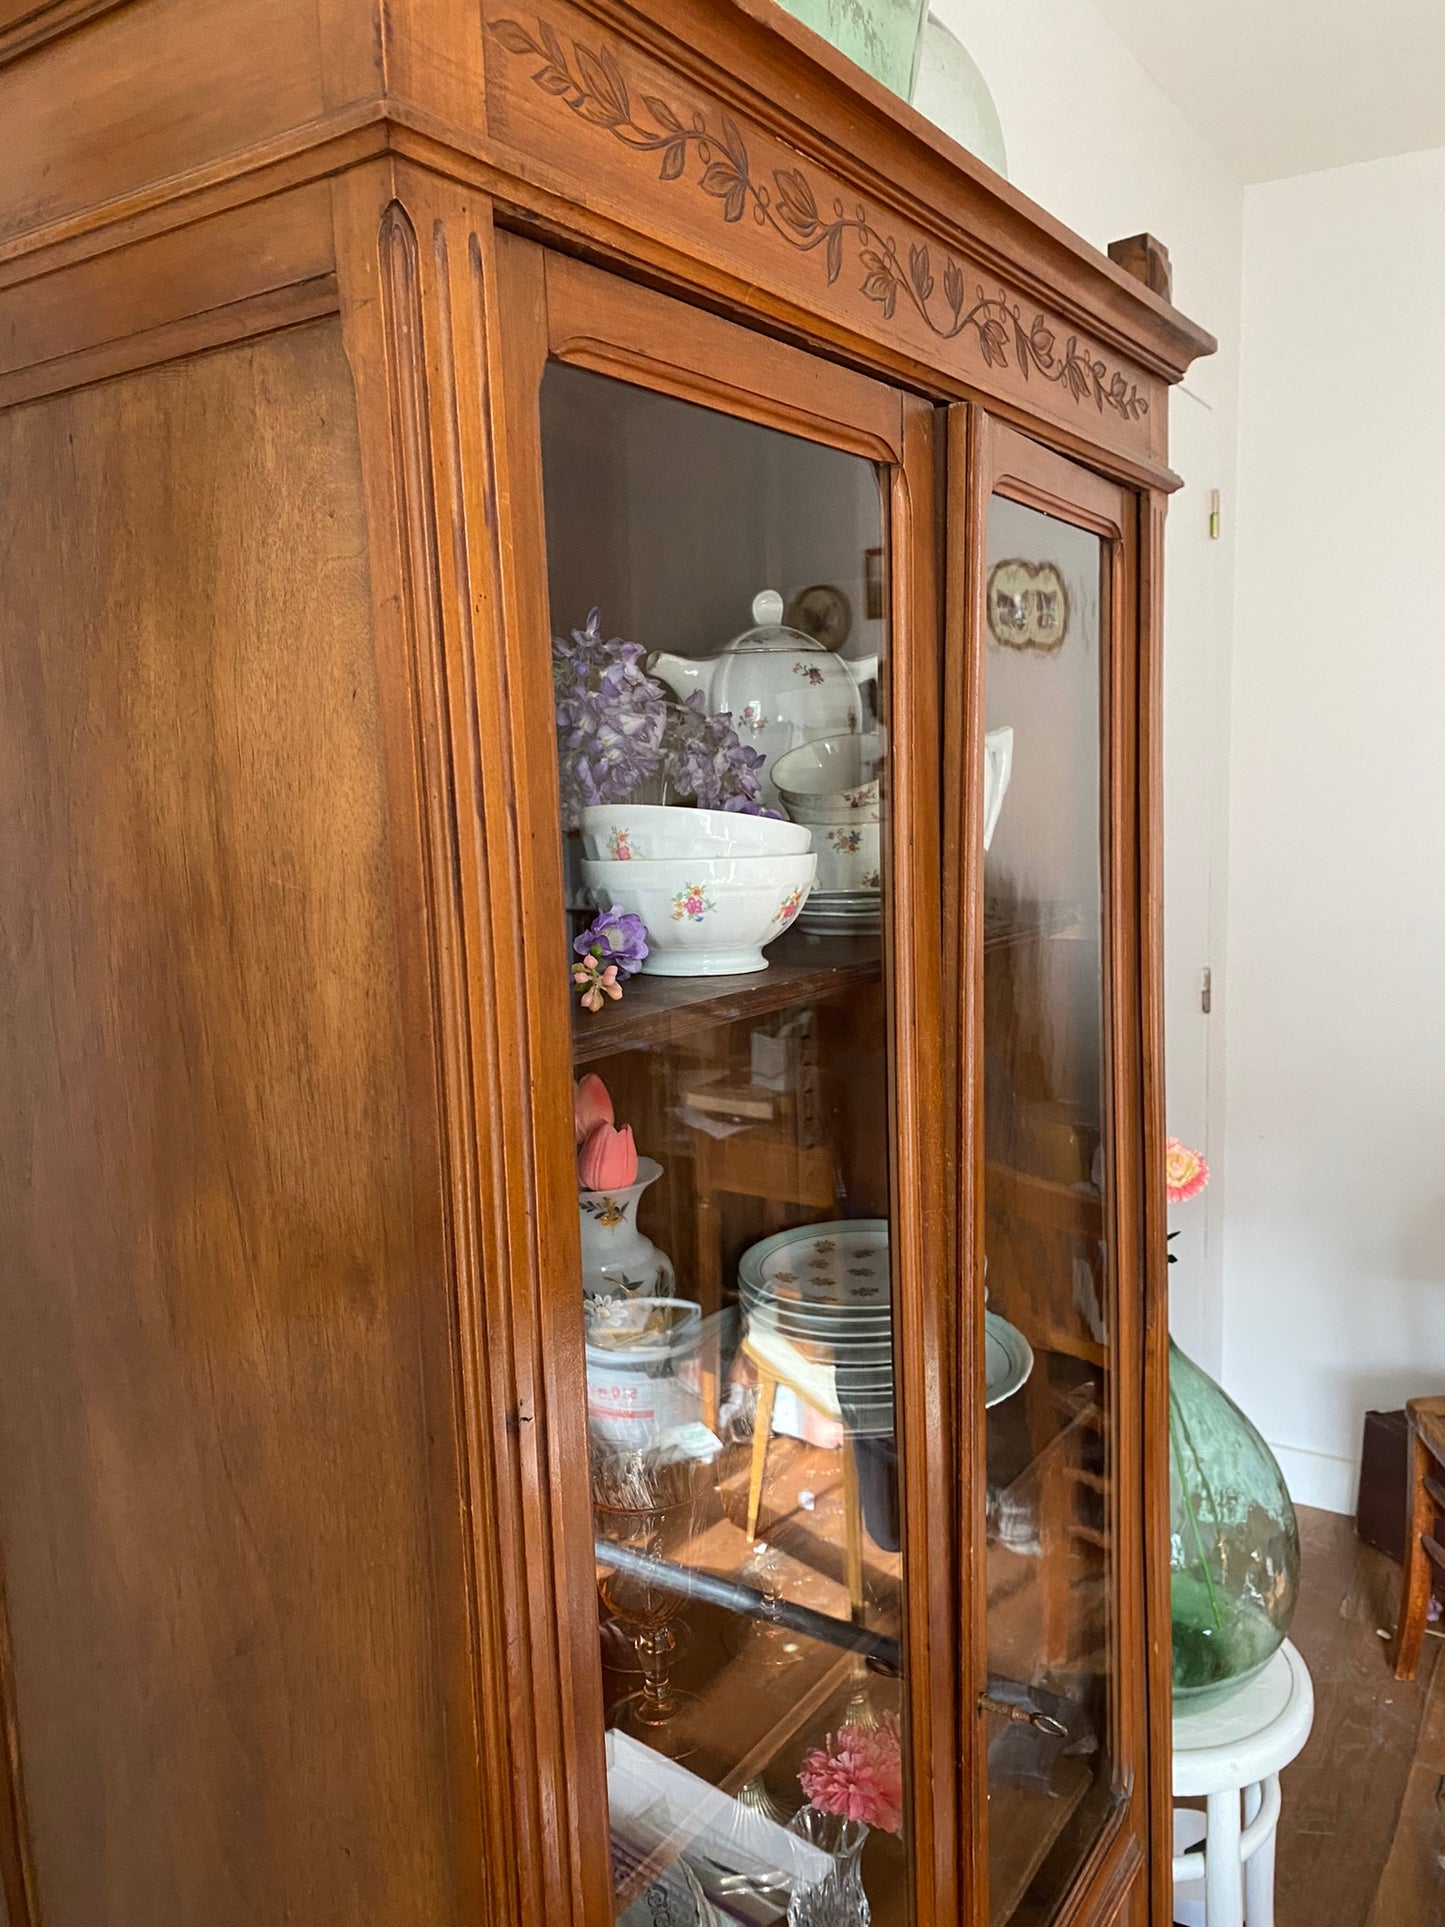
[[858, 1774]]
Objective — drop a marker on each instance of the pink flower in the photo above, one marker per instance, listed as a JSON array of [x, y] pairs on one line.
[[591, 1104], [608, 1159], [1185, 1172], [858, 1774], [595, 983]]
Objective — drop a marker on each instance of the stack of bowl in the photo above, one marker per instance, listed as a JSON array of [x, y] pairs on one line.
[[832, 785], [712, 886]]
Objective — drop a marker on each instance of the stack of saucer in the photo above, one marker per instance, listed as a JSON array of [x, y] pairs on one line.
[[818, 1306], [821, 1292], [832, 785]]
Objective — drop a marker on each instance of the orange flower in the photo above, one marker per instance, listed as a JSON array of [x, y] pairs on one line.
[[1185, 1172]]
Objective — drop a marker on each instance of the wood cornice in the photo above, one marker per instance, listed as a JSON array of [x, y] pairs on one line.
[[24, 27]]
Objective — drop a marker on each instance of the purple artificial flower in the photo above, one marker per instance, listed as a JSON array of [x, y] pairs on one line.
[[610, 719], [707, 760], [619, 728], [617, 937]]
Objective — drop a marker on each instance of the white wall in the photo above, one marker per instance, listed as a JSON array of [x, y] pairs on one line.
[[1093, 139], [1335, 1238]]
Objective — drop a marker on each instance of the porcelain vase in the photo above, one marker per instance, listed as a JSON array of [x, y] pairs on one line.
[[618, 1260], [1233, 1539]]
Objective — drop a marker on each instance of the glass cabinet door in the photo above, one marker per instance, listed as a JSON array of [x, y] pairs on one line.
[[1055, 1115], [730, 778]]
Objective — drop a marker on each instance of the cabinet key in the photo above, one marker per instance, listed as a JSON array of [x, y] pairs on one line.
[[1022, 1715]]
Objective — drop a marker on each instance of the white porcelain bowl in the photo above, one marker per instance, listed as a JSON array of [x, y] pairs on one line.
[[848, 854], [705, 916], [831, 779], [627, 831]]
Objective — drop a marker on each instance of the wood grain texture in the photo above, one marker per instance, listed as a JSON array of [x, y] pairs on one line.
[[225, 1425], [188, 288], [1362, 1830]]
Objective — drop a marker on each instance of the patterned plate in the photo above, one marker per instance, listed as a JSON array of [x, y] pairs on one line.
[[834, 1268]]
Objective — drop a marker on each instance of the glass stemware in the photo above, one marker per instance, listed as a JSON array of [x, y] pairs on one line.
[[647, 1504]]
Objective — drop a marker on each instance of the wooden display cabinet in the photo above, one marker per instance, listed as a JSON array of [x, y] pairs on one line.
[[348, 353]]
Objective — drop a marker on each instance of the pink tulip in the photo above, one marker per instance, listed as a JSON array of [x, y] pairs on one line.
[[608, 1159], [591, 1105]]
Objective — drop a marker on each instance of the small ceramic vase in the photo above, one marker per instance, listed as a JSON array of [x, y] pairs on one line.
[[618, 1260], [837, 1899]]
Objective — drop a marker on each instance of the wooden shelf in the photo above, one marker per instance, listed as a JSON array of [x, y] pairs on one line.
[[801, 969]]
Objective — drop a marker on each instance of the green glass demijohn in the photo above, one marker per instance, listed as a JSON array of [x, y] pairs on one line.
[[883, 37], [1233, 1539]]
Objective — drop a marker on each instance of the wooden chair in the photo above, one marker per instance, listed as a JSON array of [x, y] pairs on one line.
[[1425, 1502], [776, 1363]]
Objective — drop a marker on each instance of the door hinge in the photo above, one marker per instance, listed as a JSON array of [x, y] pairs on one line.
[[1206, 990], [1214, 515]]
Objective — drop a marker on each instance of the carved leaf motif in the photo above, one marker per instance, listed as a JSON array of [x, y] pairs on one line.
[[594, 87], [514, 37], [662, 113], [725, 184], [552, 45], [796, 204], [603, 107], [993, 341], [733, 141]]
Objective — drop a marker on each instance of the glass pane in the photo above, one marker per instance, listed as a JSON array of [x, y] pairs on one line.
[[734, 1151], [1049, 1277]]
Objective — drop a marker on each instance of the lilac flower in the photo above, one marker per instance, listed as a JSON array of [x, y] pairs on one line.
[[619, 728], [707, 760], [610, 718], [615, 936]]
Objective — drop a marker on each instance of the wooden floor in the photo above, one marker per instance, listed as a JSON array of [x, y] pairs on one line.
[[1362, 1834]]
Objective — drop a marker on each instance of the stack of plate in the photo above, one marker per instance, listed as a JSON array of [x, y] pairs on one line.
[[821, 1293], [843, 913]]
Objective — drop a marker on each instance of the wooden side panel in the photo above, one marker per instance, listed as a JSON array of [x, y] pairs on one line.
[[226, 1463]]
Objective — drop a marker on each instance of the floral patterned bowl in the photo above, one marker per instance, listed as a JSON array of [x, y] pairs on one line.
[[705, 916], [833, 779], [628, 831]]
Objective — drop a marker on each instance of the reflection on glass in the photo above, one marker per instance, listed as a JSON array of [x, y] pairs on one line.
[[1050, 1456], [723, 784]]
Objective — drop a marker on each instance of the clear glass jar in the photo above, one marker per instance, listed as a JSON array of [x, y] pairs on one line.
[[1233, 1538]]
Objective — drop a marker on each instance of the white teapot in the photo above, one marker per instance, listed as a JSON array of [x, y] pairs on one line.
[[780, 687]]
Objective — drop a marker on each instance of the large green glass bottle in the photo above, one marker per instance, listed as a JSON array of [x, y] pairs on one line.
[[882, 36], [1234, 1541]]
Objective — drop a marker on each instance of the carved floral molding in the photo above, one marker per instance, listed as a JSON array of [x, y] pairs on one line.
[[933, 286]]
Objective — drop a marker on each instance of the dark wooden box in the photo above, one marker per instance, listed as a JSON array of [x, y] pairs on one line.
[[1380, 1509]]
